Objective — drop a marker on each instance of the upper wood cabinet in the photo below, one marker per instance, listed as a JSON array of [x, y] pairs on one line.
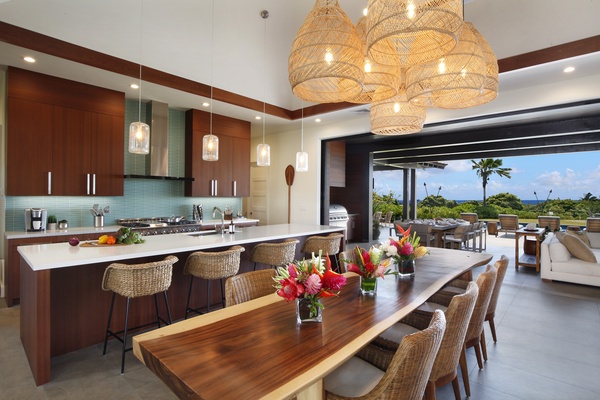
[[229, 176], [336, 163], [64, 138]]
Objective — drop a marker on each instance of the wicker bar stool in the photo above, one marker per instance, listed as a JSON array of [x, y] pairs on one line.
[[209, 266], [329, 245], [248, 286], [274, 254], [132, 281]]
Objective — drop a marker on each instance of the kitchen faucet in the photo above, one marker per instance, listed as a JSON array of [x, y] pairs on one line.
[[215, 209]]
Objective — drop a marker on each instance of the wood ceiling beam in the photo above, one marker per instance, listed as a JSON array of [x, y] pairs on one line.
[[21, 37]]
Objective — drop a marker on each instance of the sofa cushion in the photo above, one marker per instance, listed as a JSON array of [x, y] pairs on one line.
[[558, 252], [581, 235], [576, 247], [594, 239]]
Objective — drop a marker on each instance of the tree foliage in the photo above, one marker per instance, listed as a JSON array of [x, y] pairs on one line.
[[488, 167]]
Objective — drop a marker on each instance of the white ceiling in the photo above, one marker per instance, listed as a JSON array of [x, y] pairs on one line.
[[236, 50]]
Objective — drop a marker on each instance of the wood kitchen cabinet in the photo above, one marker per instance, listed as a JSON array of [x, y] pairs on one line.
[[64, 138], [229, 176]]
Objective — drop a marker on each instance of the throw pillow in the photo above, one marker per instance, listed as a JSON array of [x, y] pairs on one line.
[[581, 235], [576, 247], [558, 252]]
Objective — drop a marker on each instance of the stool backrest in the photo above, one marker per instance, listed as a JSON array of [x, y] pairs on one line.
[[274, 253], [214, 264], [329, 244], [137, 280]]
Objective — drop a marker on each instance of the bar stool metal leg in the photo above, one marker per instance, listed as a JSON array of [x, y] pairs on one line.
[[107, 334], [125, 338]]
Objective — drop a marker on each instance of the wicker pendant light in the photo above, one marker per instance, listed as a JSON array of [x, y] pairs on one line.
[[411, 32], [453, 80], [396, 115], [490, 87], [384, 79], [325, 63]]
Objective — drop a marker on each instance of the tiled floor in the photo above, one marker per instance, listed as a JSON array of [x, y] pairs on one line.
[[548, 348]]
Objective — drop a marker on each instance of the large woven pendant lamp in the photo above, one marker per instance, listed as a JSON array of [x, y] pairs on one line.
[[384, 79], [453, 80], [411, 32], [325, 62], [490, 88], [210, 143], [139, 132], [396, 115]]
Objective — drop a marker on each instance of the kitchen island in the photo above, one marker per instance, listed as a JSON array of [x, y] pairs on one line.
[[63, 307]]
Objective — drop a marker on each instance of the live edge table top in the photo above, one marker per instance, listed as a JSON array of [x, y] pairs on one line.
[[256, 350]]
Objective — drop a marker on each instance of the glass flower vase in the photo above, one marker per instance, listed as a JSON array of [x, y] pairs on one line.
[[368, 285], [406, 268], [307, 311]]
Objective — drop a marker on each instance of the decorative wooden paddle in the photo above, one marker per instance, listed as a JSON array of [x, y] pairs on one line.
[[289, 179]]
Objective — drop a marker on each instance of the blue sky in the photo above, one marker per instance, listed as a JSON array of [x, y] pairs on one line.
[[569, 176]]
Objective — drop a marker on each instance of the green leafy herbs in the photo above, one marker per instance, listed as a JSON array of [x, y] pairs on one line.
[[126, 236]]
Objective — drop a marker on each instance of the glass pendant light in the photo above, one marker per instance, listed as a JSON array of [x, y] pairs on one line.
[[302, 156], [263, 150], [139, 132], [210, 143]]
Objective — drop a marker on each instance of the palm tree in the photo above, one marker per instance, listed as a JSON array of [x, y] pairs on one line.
[[488, 167]]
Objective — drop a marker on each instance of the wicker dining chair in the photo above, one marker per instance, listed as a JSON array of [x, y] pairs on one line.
[[249, 286], [274, 254], [458, 286], [136, 280], [475, 334], [458, 314], [377, 373], [329, 245], [210, 266]]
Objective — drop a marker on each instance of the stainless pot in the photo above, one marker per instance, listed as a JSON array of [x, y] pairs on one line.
[[63, 224]]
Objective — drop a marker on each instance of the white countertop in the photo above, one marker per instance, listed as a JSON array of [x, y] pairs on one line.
[[105, 229], [59, 255]]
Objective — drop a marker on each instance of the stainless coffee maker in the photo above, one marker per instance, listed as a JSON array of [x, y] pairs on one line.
[[35, 219]]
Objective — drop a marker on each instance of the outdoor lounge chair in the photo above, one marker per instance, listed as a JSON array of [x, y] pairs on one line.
[[552, 222], [508, 223]]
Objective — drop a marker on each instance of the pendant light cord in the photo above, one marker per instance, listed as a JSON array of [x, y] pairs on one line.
[[302, 130], [264, 15], [141, 51], [212, 64]]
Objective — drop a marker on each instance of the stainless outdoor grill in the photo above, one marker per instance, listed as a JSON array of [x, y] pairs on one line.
[[338, 216]]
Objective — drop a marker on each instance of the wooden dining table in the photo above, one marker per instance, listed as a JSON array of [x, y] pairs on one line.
[[256, 350]]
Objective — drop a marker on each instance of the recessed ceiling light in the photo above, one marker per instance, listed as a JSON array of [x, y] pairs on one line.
[[569, 69], [134, 86], [258, 117], [205, 104], [29, 59], [318, 120]]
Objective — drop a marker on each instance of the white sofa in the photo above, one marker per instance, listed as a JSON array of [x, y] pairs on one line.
[[557, 263]]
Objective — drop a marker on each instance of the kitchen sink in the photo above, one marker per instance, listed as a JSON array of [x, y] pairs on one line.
[[204, 233]]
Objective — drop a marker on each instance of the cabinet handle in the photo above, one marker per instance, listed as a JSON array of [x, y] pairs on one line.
[[87, 186], [49, 182], [212, 187], [216, 187], [94, 184], [234, 188]]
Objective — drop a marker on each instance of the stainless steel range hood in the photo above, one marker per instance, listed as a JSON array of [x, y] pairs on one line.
[[157, 162]]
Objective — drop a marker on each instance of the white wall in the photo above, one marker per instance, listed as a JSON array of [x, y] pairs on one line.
[[305, 191]]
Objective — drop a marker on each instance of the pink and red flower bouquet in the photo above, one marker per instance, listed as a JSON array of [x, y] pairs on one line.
[[310, 279], [369, 264]]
